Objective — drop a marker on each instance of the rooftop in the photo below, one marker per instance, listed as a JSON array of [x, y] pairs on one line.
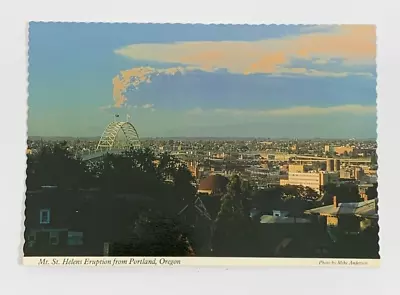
[[281, 219], [361, 209], [214, 183]]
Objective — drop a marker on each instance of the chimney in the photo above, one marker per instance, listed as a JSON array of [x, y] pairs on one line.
[[335, 202]]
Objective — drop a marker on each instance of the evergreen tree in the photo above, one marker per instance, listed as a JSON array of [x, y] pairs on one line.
[[233, 226]]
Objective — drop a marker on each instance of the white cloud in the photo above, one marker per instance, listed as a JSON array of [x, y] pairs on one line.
[[294, 111], [148, 106], [353, 43], [321, 61], [317, 73]]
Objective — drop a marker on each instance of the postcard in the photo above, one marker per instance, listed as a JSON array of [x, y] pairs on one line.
[[194, 144]]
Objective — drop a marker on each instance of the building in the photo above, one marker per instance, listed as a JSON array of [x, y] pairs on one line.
[[61, 222], [314, 180], [273, 219], [350, 217], [329, 165], [346, 173], [358, 173], [193, 168], [213, 184], [52, 223], [329, 149], [340, 150], [336, 166], [284, 180], [282, 157], [296, 168]]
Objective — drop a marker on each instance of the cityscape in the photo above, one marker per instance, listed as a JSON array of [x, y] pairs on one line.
[[189, 166]]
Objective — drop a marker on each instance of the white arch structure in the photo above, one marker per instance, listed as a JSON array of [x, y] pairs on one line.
[[108, 139]]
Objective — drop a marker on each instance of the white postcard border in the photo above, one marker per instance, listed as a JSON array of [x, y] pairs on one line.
[[247, 281], [122, 261]]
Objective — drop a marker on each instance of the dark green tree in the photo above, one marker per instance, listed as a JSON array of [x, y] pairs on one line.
[[55, 165], [364, 245], [233, 235], [374, 159], [267, 200], [345, 193], [372, 192], [156, 236]]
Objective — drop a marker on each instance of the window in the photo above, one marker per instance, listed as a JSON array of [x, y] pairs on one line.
[[54, 238], [45, 216], [32, 236], [31, 239], [75, 238]]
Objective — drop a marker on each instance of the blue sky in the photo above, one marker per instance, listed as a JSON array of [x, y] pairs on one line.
[[199, 80]]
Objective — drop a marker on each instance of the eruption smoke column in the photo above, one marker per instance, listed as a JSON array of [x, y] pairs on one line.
[[135, 77]]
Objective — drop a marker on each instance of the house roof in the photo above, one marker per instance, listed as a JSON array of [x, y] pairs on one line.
[[361, 209], [280, 219], [214, 183]]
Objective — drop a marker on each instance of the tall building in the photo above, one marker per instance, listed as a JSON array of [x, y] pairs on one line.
[[336, 166], [193, 168], [314, 180], [358, 173], [329, 165], [329, 149]]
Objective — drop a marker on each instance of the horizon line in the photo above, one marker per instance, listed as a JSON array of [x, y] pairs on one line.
[[212, 137]]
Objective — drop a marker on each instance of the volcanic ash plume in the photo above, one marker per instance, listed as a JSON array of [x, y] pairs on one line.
[[134, 78]]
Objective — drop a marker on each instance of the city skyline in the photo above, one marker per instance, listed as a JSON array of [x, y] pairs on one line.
[[203, 81]]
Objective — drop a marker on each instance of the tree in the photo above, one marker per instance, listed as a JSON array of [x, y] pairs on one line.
[[374, 159], [297, 199], [232, 227], [372, 192], [183, 184], [364, 245], [268, 200], [156, 236], [131, 183], [56, 166], [345, 193]]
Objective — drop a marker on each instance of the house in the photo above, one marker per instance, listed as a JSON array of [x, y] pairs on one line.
[[52, 224], [213, 184], [273, 219], [348, 217], [77, 222]]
